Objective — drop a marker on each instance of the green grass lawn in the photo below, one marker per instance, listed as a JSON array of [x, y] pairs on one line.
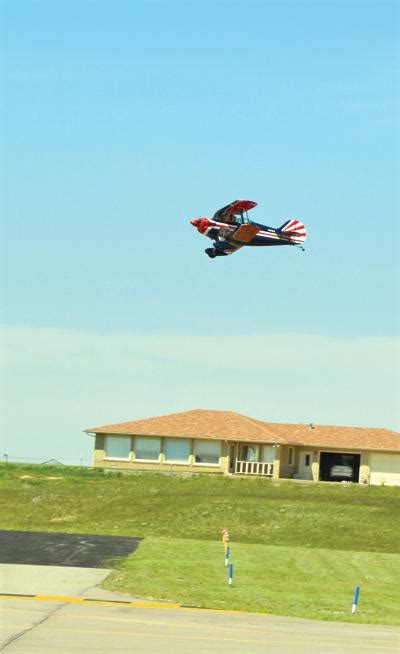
[[295, 581], [298, 549]]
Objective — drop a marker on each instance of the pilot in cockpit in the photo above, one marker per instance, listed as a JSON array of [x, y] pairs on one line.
[[235, 219]]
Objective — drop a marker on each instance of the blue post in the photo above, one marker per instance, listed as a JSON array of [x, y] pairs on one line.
[[230, 574], [227, 557], [355, 599]]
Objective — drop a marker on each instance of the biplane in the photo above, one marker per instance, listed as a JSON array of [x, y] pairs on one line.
[[231, 229]]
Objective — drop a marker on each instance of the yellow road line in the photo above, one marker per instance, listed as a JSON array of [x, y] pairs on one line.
[[121, 603], [82, 600], [253, 641]]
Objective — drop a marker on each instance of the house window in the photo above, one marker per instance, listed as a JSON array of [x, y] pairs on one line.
[[207, 452], [250, 452], [117, 447], [291, 456], [147, 449], [268, 454], [307, 460], [177, 450]]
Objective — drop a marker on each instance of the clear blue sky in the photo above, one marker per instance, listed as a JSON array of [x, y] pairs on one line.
[[121, 121]]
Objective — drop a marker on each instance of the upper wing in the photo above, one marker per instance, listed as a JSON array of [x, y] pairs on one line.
[[234, 208]]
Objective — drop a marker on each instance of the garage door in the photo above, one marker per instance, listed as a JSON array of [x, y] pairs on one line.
[[385, 469]]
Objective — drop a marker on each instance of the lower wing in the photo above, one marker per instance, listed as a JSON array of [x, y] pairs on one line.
[[245, 233], [229, 241]]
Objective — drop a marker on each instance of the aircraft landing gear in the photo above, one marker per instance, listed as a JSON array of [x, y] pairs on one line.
[[215, 252]]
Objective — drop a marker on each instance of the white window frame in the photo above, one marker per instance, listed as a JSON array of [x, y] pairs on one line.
[[201, 463], [177, 462], [270, 447], [117, 458], [148, 438], [254, 446]]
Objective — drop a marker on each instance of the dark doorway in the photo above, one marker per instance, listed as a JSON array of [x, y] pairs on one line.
[[339, 466], [232, 453]]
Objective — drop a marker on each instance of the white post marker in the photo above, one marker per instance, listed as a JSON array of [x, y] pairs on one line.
[[355, 599], [230, 574]]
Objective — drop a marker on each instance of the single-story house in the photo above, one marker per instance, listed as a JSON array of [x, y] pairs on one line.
[[230, 443]]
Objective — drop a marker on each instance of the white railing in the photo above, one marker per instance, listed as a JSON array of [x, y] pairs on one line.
[[254, 468]]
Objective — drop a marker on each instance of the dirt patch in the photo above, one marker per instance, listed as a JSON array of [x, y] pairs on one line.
[[65, 518]]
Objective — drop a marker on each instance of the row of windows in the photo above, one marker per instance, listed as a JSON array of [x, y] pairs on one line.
[[175, 450]]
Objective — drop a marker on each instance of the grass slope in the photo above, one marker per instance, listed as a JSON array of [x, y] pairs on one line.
[[295, 581], [298, 549]]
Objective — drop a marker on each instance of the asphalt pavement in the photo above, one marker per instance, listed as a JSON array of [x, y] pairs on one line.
[[52, 548]]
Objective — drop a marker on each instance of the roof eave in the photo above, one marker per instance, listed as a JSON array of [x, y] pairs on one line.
[[249, 439]]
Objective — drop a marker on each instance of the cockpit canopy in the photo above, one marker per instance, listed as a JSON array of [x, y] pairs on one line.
[[239, 219]]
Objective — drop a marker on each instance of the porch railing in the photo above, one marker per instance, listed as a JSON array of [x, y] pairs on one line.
[[254, 468]]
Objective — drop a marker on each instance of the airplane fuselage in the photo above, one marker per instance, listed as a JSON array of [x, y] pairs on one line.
[[264, 236]]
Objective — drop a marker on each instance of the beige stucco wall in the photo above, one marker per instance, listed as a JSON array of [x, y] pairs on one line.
[[315, 466], [364, 468], [98, 454], [285, 469], [277, 463]]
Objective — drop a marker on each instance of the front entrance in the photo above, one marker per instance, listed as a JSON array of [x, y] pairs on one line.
[[305, 461]]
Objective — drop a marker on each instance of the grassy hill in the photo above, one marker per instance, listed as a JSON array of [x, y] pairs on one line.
[[298, 549]]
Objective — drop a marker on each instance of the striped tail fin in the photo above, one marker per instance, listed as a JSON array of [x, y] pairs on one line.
[[293, 231]]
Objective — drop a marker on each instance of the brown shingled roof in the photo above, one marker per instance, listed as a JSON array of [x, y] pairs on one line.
[[322, 436], [198, 423], [231, 426]]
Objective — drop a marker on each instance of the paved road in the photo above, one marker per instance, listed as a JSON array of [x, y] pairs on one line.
[[72, 626]]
